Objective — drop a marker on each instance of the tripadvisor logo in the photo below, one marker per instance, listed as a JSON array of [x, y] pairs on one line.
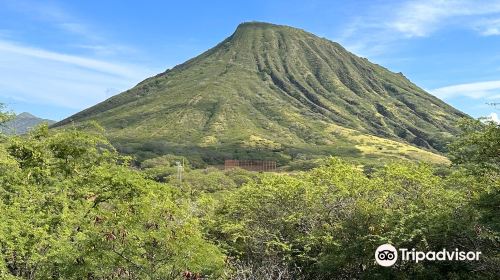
[[387, 255]]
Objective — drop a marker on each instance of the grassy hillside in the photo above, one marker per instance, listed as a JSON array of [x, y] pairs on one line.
[[271, 91]]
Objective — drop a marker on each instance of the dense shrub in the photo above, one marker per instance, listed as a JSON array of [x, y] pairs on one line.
[[329, 221], [72, 208]]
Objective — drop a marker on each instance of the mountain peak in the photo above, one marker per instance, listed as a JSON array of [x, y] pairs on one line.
[[272, 89], [25, 115], [260, 24], [22, 123], [257, 25]]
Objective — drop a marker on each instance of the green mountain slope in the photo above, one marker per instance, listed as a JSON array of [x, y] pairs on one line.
[[274, 91], [22, 123]]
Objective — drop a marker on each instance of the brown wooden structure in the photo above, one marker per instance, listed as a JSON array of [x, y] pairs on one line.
[[251, 165]]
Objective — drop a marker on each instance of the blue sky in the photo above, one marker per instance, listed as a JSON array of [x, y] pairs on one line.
[[59, 57]]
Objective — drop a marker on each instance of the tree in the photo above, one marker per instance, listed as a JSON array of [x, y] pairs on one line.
[[72, 208], [4, 116], [326, 223], [478, 146]]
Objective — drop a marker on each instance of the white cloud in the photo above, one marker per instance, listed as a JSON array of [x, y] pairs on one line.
[[54, 14], [489, 89], [382, 26], [45, 77], [96, 65], [72, 79], [494, 117], [420, 18], [78, 29], [82, 34], [488, 27], [494, 97], [106, 49]]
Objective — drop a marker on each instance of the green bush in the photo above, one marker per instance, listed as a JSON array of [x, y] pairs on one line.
[[72, 208], [329, 221]]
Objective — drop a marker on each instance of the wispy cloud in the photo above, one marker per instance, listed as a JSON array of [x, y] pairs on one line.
[[106, 49], [421, 18], [4, 33], [54, 14], [489, 90], [83, 34], [416, 19], [46, 77], [74, 75], [96, 65], [488, 27], [382, 26]]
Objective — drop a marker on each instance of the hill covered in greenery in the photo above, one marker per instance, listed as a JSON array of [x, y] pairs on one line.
[[22, 123], [272, 91]]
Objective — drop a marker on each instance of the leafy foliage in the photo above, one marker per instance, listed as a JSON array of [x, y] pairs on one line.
[[478, 145], [329, 221], [73, 208]]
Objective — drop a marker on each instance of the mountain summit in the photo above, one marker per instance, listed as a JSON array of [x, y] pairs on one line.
[[22, 124], [274, 89]]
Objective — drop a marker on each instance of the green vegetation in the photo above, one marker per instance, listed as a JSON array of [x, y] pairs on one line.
[[276, 92], [73, 208], [479, 145]]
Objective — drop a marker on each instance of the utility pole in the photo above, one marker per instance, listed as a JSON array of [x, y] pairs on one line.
[[180, 169], [493, 104]]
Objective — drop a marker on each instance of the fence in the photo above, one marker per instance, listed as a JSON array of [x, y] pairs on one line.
[[251, 165]]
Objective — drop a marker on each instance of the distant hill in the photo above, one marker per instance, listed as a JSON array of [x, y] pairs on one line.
[[272, 91], [22, 123]]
